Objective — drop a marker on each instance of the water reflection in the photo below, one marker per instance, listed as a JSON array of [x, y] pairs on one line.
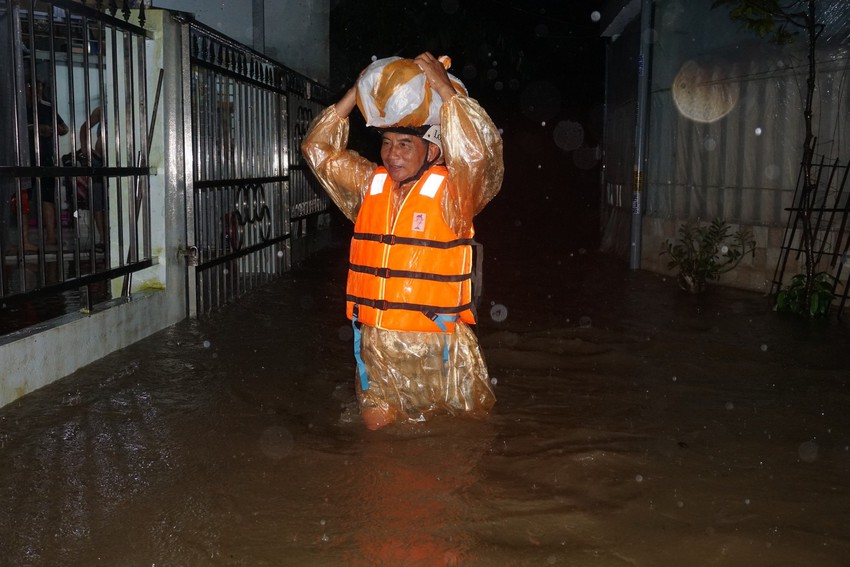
[[411, 494]]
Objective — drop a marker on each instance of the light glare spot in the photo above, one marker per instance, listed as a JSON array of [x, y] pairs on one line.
[[568, 135], [808, 451], [498, 313], [345, 333]]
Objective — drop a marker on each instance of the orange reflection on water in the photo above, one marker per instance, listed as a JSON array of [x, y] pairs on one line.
[[413, 493]]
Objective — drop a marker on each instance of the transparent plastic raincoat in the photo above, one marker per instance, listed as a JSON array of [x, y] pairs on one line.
[[408, 379]]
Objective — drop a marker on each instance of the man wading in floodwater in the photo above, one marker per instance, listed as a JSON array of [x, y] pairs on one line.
[[410, 266]]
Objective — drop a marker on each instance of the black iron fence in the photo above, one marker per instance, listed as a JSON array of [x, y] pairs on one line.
[[78, 104], [74, 117], [828, 208], [249, 188]]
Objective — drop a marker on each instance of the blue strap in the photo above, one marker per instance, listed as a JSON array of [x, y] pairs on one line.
[[361, 367], [441, 320]]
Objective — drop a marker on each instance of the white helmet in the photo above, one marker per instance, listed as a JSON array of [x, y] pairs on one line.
[[434, 135]]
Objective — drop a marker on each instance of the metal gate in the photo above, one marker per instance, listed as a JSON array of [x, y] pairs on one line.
[[246, 117], [74, 178]]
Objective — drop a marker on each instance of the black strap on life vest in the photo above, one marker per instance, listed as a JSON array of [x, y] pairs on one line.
[[390, 273], [477, 276], [392, 239], [384, 305]]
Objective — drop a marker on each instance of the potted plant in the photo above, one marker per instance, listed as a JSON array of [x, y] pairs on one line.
[[704, 251]]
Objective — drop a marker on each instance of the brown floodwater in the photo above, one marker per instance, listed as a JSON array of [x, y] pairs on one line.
[[635, 425]]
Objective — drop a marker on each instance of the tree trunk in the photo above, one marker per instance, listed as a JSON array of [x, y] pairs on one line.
[[807, 195]]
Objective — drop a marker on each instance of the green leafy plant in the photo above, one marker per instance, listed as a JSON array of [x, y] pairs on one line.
[[792, 299], [702, 252]]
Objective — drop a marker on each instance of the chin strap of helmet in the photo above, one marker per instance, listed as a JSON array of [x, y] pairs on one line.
[[425, 166]]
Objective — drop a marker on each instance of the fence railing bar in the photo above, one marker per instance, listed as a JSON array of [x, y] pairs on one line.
[[823, 229], [844, 214], [822, 209]]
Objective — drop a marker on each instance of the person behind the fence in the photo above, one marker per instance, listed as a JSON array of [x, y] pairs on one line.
[[409, 279], [93, 189], [45, 113]]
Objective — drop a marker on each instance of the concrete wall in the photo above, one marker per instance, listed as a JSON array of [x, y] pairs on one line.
[[297, 35], [74, 341], [755, 272], [292, 32]]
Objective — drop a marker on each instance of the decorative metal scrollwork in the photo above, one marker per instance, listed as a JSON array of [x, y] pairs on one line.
[[250, 207]]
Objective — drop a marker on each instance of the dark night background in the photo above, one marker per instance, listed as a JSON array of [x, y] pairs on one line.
[[537, 67]]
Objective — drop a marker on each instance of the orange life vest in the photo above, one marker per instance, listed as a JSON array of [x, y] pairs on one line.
[[415, 275]]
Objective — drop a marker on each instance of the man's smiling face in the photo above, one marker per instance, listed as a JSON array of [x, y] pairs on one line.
[[403, 154]]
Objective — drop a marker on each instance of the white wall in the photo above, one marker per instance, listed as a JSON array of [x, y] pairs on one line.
[[295, 32]]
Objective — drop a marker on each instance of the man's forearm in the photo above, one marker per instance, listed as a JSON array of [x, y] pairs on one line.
[[347, 103]]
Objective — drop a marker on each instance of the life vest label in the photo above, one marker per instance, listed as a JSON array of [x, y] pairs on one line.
[[419, 222]]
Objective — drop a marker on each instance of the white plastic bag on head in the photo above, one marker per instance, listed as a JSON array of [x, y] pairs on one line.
[[394, 92]]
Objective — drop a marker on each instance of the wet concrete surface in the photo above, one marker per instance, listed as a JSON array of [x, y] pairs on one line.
[[635, 425]]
